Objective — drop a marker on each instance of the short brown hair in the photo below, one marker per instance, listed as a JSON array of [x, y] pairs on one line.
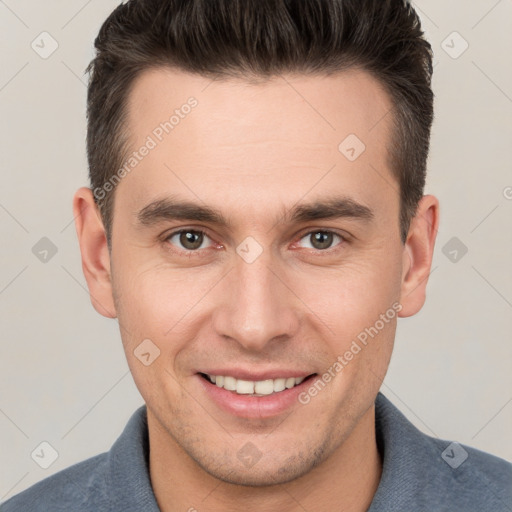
[[261, 39]]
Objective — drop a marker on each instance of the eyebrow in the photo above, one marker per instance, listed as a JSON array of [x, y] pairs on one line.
[[170, 208]]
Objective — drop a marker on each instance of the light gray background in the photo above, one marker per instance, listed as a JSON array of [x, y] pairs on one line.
[[63, 374]]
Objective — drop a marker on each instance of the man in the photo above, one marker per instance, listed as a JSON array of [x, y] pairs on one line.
[[256, 223]]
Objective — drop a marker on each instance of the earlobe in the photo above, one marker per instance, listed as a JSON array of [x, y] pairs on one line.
[[94, 252], [417, 255]]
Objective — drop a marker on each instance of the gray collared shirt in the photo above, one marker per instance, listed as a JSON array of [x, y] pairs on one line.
[[419, 474]]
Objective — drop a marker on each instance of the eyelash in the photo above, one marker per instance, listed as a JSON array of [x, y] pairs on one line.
[[197, 252]]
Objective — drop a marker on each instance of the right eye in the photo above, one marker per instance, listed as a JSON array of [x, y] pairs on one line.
[[190, 240]]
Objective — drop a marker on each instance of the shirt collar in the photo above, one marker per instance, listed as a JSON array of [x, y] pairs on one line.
[[129, 467]]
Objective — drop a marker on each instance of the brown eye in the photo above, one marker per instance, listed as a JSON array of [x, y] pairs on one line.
[[321, 240], [187, 239]]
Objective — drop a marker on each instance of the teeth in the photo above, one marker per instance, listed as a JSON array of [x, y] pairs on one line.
[[258, 388], [279, 384], [244, 387], [229, 383], [264, 387]]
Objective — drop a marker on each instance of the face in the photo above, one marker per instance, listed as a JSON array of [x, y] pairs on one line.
[[254, 242]]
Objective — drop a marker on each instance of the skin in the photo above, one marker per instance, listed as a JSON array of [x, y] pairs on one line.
[[252, 151]]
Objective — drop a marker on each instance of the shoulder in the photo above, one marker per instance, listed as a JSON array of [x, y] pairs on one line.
[[82, 487], [471, 478], [421, 472], [114, 480]]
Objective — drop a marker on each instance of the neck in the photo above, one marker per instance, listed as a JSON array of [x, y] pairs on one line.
[[346, 481]]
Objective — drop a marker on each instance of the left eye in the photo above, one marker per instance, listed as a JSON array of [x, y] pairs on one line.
[[321, 240]]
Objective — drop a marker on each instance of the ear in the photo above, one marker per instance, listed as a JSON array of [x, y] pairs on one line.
[[94, 249], [417, 255]]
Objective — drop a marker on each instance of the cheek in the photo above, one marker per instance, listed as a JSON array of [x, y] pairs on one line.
[[351, 302], [153, 301], [352, 296], [163, 305], [155, 297]]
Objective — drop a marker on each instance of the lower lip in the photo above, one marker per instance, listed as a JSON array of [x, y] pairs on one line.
[[248, 406]]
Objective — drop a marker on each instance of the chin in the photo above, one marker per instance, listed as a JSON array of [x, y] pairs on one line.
[[261, 478], [263, 473]]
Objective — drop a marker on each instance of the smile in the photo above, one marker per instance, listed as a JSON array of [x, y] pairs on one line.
[[255, 388], [256, 395]]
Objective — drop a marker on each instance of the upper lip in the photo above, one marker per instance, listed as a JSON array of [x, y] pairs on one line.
[[254, 375]]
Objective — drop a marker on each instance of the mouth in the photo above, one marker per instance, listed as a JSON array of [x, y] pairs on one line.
[[260, 388]]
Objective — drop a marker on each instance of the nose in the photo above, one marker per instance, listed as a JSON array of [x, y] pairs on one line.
[[259, 307]]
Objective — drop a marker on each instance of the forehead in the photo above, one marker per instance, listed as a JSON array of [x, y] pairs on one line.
[[239, 137], [328, 105]]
